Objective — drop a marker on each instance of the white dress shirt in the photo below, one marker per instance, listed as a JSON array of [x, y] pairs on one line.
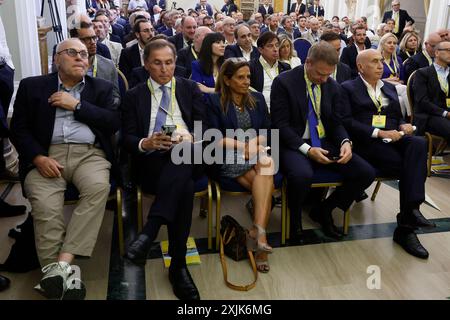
[[176, 119], [442, 76], [5, 55], [269, 73]]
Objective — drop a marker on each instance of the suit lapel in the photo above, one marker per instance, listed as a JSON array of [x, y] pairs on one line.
[[182, 98], [365, 95], [301, 94], [145, 107], [52, 87]]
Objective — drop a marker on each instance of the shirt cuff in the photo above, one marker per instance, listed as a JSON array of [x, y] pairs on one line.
[[140, 146], [375, 133], [347, 140], [445, 114], [304, 148]]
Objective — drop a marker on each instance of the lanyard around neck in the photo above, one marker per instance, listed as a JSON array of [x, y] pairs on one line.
[[315, 97], [388, 64], [430, 61], [377, 101], [267, 68], [152, 92]]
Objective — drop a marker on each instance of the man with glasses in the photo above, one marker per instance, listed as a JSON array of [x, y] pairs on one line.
[[208, 21], [432, 94], [185, 37], [228, 30], [400, 17], [132, 56], [62, 127], [164, 100], [424, 58], [99, 67]]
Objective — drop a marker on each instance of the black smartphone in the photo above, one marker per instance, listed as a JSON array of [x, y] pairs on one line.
[[168, 129], [333, 156]]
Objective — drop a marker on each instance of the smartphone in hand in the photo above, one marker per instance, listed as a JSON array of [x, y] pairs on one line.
[[168, 129]]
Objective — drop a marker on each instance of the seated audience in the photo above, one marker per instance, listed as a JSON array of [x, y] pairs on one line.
[[342, 72], [373, 117], [232, 101], [425, 57], [409, 45], [289, 29], [114, 48], [73, 118], [205, 70], [313, 34], [350, 53], [184, 38]]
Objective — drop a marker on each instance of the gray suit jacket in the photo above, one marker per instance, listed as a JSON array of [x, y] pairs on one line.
[[107, 71]]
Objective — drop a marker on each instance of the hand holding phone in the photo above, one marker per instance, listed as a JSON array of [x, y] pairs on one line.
[[168, 129]]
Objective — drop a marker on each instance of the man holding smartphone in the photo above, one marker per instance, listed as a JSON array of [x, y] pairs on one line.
[[313, 138], [150, 113]]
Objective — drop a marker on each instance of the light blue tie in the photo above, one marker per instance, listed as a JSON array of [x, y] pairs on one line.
[[313, 122], [162, 110]]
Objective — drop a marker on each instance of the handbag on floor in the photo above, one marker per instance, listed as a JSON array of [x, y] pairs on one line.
[[233, 243]]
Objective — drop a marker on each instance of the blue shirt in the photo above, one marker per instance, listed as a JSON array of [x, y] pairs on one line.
[[66, 128]]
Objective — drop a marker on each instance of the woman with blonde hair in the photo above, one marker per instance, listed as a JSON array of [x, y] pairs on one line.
[[409, 45], [287, 52], [393, 70], [235, 107]]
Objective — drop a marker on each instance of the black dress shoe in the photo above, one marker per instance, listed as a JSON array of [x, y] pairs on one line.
[[4, 283], [137, 251], [361, 197], [182, 284], [420, 221], [408, 240], [7, 210], [323, 216]]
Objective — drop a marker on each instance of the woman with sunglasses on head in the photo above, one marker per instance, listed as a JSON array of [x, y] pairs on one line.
[[234, 106], [206, 69]]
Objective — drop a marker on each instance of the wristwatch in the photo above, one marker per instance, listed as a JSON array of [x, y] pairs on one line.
[[77, 107]]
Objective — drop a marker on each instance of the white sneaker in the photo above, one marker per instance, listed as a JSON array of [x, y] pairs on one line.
[[54, 281]]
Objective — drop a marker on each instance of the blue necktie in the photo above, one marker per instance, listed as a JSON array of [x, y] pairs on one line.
[[161, 115], [313, 122]]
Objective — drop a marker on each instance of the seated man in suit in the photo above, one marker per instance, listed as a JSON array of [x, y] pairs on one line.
[[62, 127], [313, 137], [99, 67], [267, 67], [265, 8], [316, 10], [114, 48], [372, 115], [288, 28], [400, 17], [144, 111], [184, 38], [189, 54], [431, 94], [314, 33], [272, 25], [298, 7], [350, 53], [425, 57], [203, 5], [342, 72], [131, 57], [243, 47]]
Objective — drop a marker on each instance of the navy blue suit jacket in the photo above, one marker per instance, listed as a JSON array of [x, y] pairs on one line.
[[257, 73], [228, 9], [289, 109], [129, 59], [358, 109], [177, 40], [208, 8], [168, 32], [302, 8], [313, 13], [343, 73], [403, 18], [263, 11], [348, 57], [233, 50], [136, 112], [414, 63], [34, 118]]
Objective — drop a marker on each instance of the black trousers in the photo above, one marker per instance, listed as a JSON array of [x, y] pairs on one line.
[[299, 170], [6, 93], [439, 126], [406, 159], [173, 187]]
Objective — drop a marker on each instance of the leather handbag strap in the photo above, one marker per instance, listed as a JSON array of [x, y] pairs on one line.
[[224, 266]]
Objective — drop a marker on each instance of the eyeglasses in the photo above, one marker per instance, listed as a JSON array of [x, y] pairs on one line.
[[71, 52], [444, 49], [147, 30], [87, 39]]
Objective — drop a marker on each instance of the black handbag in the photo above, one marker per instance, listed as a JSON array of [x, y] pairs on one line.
[[233, 243]]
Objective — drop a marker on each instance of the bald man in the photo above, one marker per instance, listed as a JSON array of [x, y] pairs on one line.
[[401, 18], [424, 58], [62, 128], [186, 36], [188, 54], [373, 118]]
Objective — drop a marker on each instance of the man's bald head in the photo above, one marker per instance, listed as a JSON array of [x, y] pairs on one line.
[[200, 34], [370, 65], [68, 43], [432, 41]]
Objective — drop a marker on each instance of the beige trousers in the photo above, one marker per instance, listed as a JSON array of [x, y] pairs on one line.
[[86, 167]]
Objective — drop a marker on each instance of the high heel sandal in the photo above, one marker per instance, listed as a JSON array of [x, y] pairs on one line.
[[261, 265], [254, 244]]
